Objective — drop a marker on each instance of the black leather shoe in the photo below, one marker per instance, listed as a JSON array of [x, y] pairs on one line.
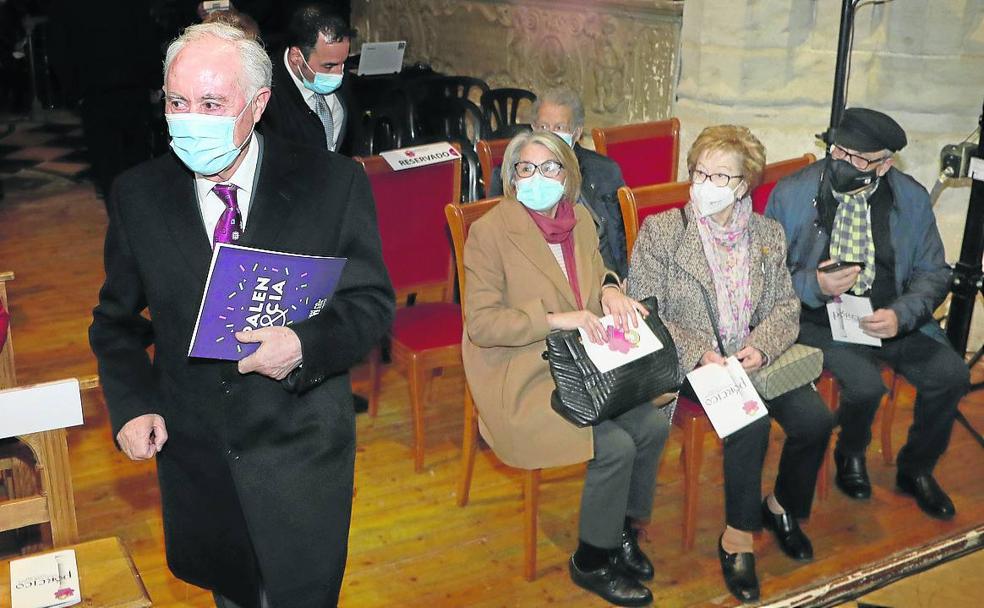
[[610, 584], [739, 574], [852, 475], [928, 494], [790, 537], [630, 559]]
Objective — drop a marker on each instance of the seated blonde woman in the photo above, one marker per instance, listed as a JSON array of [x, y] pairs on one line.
[[532, 265], [733, 261]]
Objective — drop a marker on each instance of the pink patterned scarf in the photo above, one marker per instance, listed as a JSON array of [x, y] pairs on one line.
[[727, 251]]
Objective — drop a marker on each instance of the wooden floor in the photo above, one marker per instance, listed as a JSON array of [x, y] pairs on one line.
[[410, 544]]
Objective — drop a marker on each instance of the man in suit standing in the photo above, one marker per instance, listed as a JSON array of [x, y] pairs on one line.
[[561, 112], [255, 461], [312, 101]]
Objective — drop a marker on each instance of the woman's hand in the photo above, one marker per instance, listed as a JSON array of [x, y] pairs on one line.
[[711, 357], [751, 358], [621, 307], [584, 319]]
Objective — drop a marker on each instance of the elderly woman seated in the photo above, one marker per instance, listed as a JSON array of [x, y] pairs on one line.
[[719, 261], [532, 265]]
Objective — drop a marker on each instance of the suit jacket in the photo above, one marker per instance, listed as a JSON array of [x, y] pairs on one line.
[[601, 178], [511, 281], [668, 262], [289, 117], [249, 468]]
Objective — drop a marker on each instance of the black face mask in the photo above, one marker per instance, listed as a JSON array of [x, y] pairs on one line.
[[845, 177]]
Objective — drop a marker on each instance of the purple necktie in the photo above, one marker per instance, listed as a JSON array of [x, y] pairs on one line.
[[229, 226]]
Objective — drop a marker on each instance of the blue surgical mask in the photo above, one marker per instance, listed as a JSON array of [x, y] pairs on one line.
[[567, 137], [539, 193], [323, 84], [205, 143]]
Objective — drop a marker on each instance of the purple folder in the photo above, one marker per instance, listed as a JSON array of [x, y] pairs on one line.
[[250, 289]]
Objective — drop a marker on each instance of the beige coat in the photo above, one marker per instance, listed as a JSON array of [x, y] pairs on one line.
[[668, 262], [512, 281]]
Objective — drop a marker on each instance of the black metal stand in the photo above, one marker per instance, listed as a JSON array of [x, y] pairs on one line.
[[839, 99], [968, 279]]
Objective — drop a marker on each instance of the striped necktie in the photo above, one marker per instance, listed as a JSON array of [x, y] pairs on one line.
[[229, 226], [324, 113]]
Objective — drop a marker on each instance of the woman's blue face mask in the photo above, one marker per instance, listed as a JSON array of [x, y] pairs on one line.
[[539, 193], [323, 84], [205, 143]]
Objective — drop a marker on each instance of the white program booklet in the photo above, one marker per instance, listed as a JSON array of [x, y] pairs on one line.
[[727, 395], [622, 347], [45, 581], [845, 316]]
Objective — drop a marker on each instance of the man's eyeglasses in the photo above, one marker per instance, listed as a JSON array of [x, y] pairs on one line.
[[548, 168], [718, 179], [860, 163]]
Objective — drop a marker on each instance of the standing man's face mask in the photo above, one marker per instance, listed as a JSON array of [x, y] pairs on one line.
[[323, 84], [205, 143]]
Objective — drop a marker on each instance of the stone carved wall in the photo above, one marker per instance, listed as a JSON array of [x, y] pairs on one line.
[[621, 55]]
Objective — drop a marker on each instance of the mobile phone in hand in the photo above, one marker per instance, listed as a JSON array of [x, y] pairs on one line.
[[840, 265]]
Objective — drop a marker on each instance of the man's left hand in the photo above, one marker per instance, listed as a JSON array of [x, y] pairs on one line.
[[883, 323], [279, 352]]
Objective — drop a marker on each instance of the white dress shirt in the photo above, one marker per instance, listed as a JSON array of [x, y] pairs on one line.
[[209, 202], [334, 105]]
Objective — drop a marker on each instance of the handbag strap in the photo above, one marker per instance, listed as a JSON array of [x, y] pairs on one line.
[[707, 299]]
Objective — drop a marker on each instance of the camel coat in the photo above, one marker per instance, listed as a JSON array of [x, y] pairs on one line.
[[512, 281]]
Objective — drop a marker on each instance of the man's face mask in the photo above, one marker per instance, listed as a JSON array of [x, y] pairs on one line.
[[205, 143]]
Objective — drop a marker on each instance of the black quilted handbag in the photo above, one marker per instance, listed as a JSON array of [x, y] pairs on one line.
[[585, 396]]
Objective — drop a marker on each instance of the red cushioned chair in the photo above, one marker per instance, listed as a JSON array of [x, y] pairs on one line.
[[490, 153], [647, 152], [772, 174], [426, 333], [460, 218], [639, 203]]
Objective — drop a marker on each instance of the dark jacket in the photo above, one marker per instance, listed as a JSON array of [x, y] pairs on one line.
[[249, 468], [289, 117], [601, 178], [921, 273]]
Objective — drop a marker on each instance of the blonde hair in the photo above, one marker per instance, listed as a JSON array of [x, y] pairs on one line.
[[736, 140], [556, 146]]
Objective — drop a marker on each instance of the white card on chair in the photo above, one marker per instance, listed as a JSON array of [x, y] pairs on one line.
[[40, 407], [45, 581], [845, 316], [622, 347], [727, 395]]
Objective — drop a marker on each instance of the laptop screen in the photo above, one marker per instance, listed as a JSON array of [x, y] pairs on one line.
[[381, 58]]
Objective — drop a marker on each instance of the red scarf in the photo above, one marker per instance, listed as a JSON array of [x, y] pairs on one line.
[[560, 229]]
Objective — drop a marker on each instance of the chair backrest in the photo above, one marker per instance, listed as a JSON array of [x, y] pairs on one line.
[[647, 152], [8, 378], [460, 218], [31, 503], [502, 107], [639, 203], [462, 87], [490, 153], [772, 174], [413, 233]]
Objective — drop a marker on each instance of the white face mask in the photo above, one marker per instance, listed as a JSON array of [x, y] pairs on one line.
[[711, 199]]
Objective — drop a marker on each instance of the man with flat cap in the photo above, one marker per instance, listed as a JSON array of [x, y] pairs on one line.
[[854, 206]]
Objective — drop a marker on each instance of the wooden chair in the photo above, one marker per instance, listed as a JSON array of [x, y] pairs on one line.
[[460, 218], [490, 154], [426, 332], [647, 152], [772, 173], [639, 203], [53, 502]]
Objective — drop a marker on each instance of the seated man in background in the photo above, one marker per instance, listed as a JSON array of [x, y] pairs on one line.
[[312, 103], [561, 112], [854, 206]]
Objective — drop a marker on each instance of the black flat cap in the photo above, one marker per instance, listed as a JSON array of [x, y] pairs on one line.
[[867, 130]]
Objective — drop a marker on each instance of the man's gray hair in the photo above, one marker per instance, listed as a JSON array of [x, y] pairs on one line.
[[257, 70], [562, 97]]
